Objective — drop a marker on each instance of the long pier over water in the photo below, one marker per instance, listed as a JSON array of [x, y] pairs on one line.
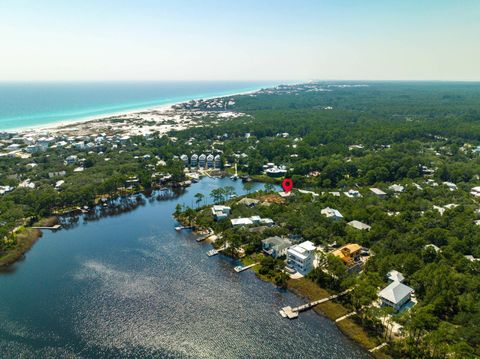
[[292, 313]]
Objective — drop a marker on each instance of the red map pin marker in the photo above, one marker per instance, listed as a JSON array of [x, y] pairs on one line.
[[287, 185]]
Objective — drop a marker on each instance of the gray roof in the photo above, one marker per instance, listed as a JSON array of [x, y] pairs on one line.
[[278, 242], [395, 292], [395, 276]]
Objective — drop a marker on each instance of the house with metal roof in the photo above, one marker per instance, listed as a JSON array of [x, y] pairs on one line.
[[359, 225], [395, 295]]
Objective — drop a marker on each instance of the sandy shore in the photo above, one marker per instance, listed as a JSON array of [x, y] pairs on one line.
[[162, 119]]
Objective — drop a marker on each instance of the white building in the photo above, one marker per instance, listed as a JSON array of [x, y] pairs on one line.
[[210, 161], [202, 160], [396, 188], [184, 158], [378, 192], [395, 276], [220, 212], [475, 191], [395, 295], [359, 225], [194, 160], [276, 246], [218, 161], [331, 213], [300, 257], [352, 193], [451, 186]]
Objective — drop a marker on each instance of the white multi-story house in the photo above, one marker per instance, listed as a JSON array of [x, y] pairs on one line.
[[184, 158], [220, 212], [218, 161], [194, 160], [210, 161], [300, 257], [202, 160]]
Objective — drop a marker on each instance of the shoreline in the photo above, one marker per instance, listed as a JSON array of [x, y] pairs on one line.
[[55, 125]]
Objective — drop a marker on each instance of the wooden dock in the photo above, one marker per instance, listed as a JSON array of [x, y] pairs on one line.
[[240, 269], [205, 236], [214, 252], [291, 313], [378, 347], [52, 228]]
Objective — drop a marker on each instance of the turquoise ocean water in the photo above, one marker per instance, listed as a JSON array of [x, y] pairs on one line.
[[34, 104]]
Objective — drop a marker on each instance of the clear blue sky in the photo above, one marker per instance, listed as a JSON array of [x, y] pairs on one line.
[[239, 40]]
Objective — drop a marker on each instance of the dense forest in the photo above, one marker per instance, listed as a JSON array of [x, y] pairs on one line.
[[335, 138]]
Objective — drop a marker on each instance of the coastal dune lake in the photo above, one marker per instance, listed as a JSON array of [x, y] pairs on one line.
[[130, 286]]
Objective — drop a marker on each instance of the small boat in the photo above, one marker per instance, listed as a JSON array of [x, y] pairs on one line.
[[178, 228], [234, 177]]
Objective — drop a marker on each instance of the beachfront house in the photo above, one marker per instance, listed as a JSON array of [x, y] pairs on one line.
[[220, 212], [331, 213], [395, 295], [276, 246], [300, 257], [359, 225]]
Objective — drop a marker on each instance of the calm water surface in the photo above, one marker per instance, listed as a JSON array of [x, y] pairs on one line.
[[130, 286]]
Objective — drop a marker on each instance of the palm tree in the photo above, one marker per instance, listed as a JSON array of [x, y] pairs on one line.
[[199, 197]]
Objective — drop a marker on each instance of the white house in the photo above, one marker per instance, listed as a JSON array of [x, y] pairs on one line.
[[352, 193], [276, 246], [359, 225], [396, 188], [184, 158], [395, 276], [220, 212], [475, 191], [218, 161], [194, 160], [210, 161], [236, 222], [378, 192], [300, 257], [202, 160], [331, 213], [395, 295], [451, 186]]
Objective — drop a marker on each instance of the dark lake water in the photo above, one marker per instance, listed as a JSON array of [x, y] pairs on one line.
[[130, 286]]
